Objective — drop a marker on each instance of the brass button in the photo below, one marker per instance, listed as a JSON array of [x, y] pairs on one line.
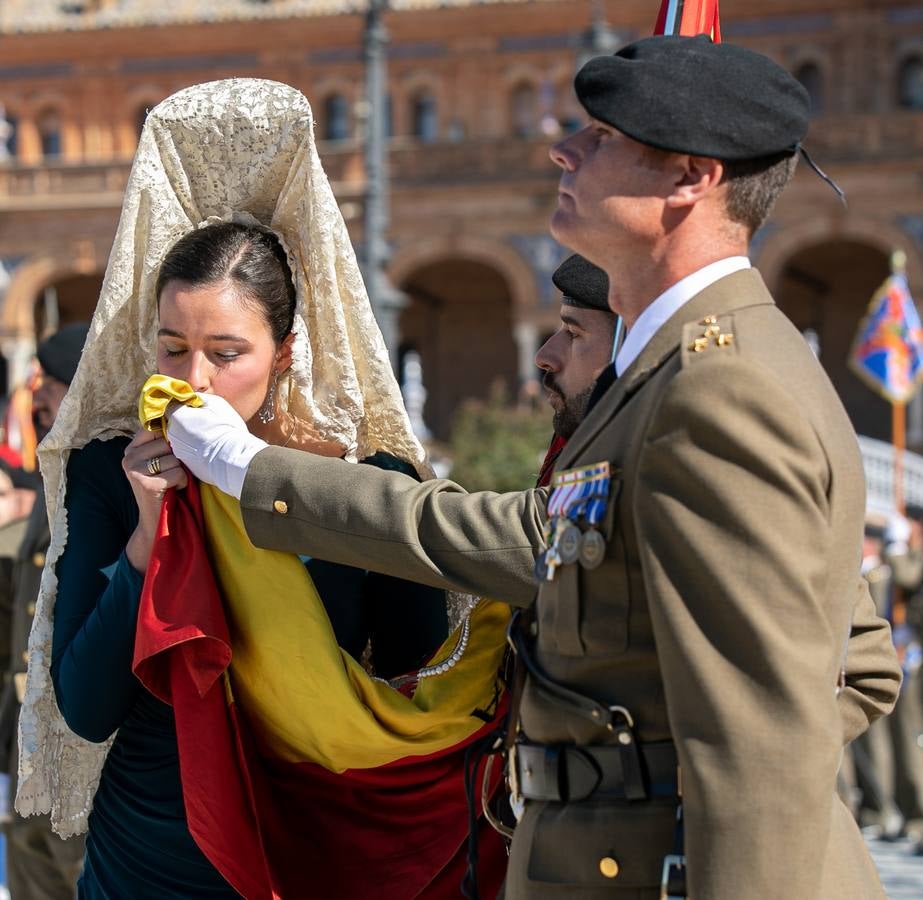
[[25, 657], [281, 507], [38, 560], [609, 867], [30, 609]]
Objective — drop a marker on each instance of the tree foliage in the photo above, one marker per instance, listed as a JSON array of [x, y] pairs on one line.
[[497, 446]]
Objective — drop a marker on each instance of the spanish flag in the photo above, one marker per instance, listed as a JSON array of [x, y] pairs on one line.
[[304, 777], [689, 17]]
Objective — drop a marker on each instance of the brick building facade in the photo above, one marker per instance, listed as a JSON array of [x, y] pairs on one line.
[[477, 93]]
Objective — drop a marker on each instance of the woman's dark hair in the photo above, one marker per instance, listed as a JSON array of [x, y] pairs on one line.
[[251, 258]]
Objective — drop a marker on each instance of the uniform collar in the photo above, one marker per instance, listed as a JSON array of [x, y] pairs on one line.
[[742, 288], [669, 302]]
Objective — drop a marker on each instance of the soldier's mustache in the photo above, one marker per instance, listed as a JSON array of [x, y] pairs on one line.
[[549, 384]]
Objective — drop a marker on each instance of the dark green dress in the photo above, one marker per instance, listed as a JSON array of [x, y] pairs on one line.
[[138, 844]]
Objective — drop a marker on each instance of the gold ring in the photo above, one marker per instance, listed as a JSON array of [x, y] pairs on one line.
[[153, 465]]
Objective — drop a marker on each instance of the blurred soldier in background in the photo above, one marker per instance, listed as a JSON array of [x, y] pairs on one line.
[[903, 555], [40, 865]]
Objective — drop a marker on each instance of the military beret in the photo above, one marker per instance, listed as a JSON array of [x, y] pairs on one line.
[[60, 353], [690, 95], [582, 284]]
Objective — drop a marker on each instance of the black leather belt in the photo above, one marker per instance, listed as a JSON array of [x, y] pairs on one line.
[[566, 772]]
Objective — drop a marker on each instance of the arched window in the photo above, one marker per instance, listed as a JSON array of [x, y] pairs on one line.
[[49, 129], [336, 118], [524, 110], [8, 128], [910, 83], [812, 79], [423, 117]]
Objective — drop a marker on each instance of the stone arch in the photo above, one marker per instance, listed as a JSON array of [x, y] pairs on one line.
[[18, 317], [461, 318], [825, 283], [512, 267], [782, 242], [28, 281]]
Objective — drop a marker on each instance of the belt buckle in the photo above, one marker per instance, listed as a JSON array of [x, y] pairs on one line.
[[670, 862]]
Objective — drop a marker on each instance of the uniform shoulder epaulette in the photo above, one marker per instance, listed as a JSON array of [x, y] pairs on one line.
[[713, 334]]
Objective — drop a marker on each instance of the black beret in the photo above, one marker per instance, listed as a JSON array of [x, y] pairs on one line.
[[582, 284], [60, 353], [690, 95]]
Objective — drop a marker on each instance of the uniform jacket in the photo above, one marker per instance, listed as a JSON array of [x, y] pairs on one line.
[[719, 618]]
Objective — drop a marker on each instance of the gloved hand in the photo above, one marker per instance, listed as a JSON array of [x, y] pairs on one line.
[[213, 442]]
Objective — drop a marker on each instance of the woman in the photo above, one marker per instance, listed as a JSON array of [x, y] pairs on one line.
[[297, 353], [226, 305]]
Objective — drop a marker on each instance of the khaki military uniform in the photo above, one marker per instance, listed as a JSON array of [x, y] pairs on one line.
[[719, 618], [905, 725], [40, 865]]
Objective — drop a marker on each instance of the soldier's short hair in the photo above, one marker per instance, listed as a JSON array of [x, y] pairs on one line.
[[754, 185]]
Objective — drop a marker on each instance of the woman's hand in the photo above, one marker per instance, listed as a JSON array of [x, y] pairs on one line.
[[151, 470]]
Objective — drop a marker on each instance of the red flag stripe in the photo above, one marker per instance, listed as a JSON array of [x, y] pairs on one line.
[[689, 17], [285, 830]]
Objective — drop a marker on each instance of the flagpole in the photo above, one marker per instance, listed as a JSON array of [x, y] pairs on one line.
[[899, 440]]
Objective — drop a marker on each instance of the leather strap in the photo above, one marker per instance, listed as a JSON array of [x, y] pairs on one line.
[[564, 773], [563, 697]]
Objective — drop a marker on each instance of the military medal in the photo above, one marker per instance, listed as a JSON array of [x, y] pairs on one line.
[[592, 549], [568, 544], [577, 494]]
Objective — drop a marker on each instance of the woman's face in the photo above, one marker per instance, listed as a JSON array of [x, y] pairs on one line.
[[218, 343]]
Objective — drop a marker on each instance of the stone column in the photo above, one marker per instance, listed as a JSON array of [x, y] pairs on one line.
[[525, 334]]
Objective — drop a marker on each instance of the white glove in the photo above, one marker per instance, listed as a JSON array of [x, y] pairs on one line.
[[897, 535], [212, 441]]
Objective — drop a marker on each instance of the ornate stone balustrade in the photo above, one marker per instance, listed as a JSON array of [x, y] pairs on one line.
[[68, 185], [878, 462]]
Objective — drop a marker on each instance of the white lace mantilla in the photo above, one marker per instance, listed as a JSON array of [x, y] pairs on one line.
[[243, 150]]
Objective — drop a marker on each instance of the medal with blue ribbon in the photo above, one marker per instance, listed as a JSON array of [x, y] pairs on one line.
[[580, 494]]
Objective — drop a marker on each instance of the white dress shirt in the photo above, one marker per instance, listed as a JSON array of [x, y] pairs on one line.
[[671, 300]]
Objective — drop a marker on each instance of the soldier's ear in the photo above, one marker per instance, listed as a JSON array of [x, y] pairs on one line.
[[699, 177]]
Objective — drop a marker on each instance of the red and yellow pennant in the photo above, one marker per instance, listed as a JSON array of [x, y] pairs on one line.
[[689, 17], [303, 776]]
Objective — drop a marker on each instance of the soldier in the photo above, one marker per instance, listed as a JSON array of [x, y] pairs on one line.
[[872, 753], [679, 727], [40, 865], [903, 559], [575, 359], [17, 495]]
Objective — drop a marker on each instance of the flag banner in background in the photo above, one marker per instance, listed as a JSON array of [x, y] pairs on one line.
[[888, 351], [689, 17]]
